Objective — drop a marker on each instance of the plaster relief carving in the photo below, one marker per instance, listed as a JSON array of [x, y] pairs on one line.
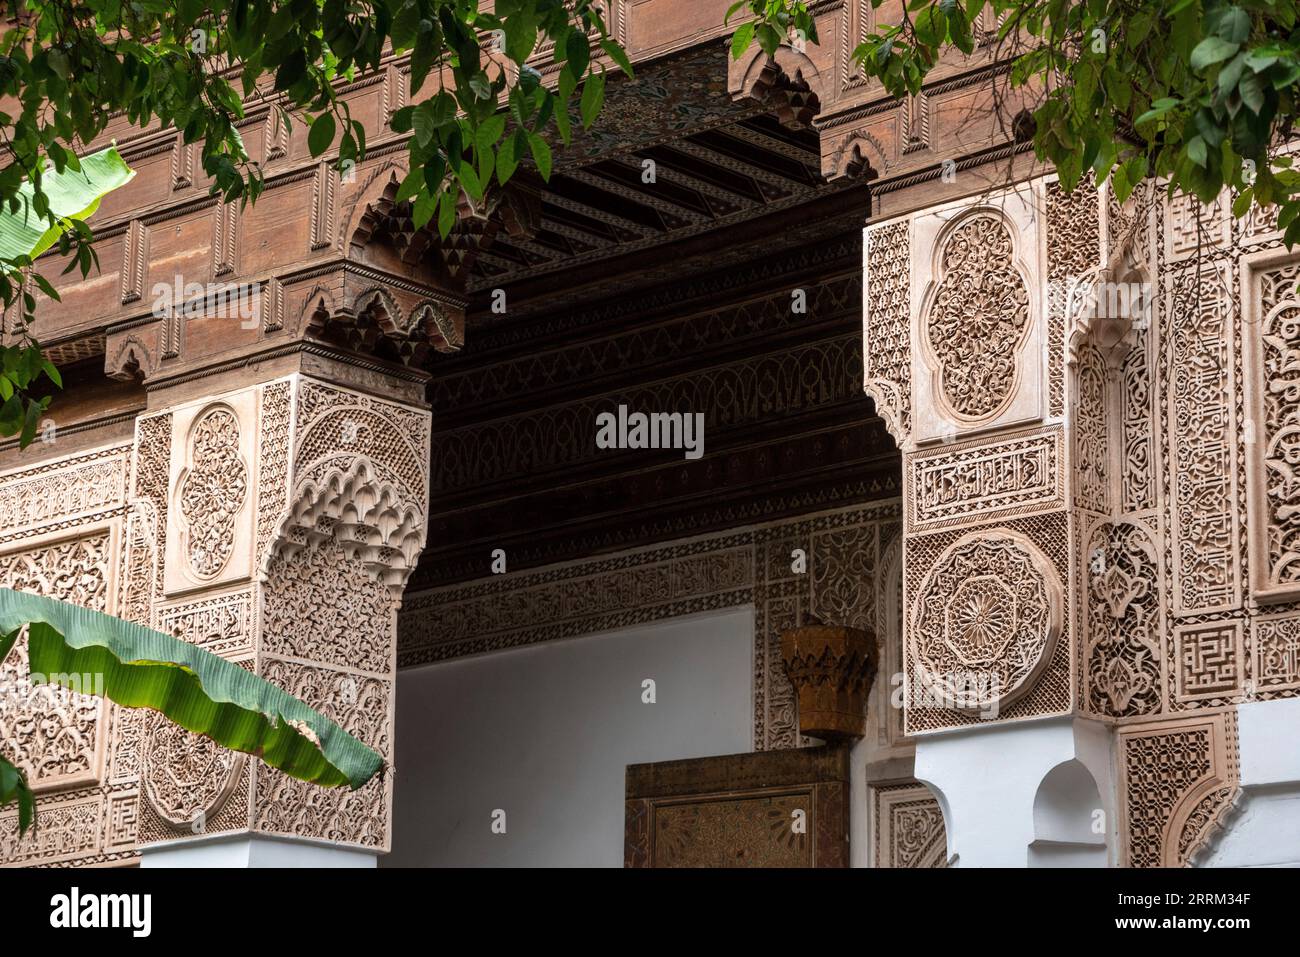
[[986, 620], [886, 334], [1177, 779], [985, 481], [187, 777], [1274, 471], [209, 518], [1122, 658], [977, 319], [212, 491], [907, 826], [978, 342]]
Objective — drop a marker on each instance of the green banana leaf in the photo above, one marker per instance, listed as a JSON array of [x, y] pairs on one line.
[[73, 194], [201, 692], [13, 787]]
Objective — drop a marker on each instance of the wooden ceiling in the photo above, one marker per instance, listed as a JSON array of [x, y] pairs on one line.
[[674, 295]]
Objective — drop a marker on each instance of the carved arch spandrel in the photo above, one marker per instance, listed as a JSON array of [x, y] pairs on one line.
[[129, 361], [860, 156], [1179, 781]]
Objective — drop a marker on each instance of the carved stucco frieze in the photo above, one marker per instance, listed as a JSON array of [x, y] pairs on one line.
[[907, 829]]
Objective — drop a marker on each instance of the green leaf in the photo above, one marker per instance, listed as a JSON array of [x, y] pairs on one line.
[[321, 134], [199, 691], [1158, 109], [1211, 50], [424, 122], [73, 195], [13, 787], [741, 39], [593, 97], [508, 157], [618, 55], [446, 214], [541, 155], [1197, 151], [577, 51]]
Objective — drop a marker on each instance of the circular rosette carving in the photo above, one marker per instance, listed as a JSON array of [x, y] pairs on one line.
[[188, 778], [977, 319], [986, 620], [212, 491]]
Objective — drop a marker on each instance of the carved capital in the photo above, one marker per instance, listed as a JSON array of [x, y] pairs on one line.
[[832, 668]]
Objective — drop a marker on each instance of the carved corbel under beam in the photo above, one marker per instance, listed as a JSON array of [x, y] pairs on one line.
[[832, 668], [786, 84]]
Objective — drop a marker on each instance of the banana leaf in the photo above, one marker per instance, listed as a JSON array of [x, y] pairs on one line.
[[201, 692], [13, 787], [73, 194]]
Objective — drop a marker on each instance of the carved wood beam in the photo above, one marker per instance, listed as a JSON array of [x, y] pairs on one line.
[[643, 197], [781, 182], [729, 197]]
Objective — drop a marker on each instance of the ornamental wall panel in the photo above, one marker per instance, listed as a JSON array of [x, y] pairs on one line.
[[62, 536], [978, 332], [213, 492], [907, 829]]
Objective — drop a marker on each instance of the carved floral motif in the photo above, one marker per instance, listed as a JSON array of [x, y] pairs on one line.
[[1123, 652], [212, 491], [978, 318], [187, 777]]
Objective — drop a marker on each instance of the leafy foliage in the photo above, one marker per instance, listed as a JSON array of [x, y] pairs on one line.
[[68, 199], [66, 70], [142, 668], [1199, 92]]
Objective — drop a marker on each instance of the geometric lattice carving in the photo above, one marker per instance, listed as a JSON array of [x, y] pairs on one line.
[[886, 335], [1177, 778], [1073, 248], [1209, 661]]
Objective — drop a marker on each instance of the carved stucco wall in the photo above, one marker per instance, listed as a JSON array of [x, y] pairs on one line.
[[753, 565], [275, 526], [1151, 463], [61, 529]]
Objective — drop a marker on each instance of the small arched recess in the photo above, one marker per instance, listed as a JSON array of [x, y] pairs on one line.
[[1070, 824]]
